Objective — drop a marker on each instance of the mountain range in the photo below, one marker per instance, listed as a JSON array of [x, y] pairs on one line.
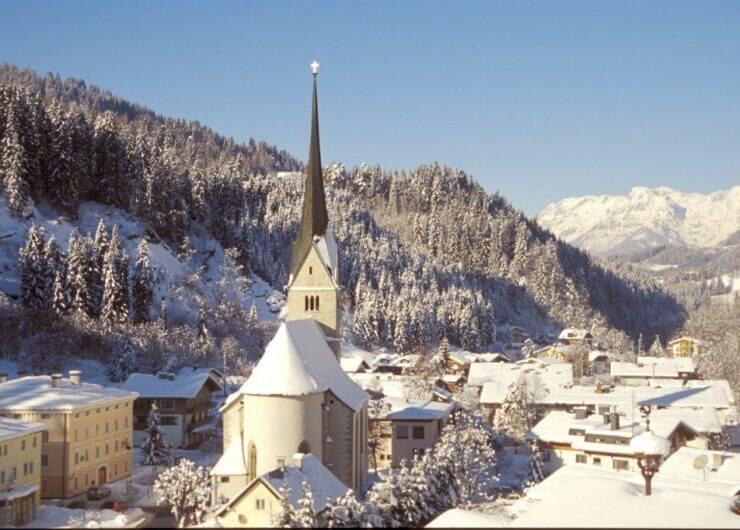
[[645, 218]]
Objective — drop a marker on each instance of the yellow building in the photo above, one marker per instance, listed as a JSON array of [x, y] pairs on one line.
[[20, 470], [90, 430], [684, 347]]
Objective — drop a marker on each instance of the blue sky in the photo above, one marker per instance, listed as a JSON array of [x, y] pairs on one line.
[[538, 100]]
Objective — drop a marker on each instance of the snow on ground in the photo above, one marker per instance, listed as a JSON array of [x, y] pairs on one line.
[[458, 518], [57, 517], [583, 496]]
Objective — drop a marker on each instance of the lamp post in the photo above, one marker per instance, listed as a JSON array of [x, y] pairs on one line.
[[650, 449]]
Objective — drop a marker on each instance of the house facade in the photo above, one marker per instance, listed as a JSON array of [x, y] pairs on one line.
[[90, 430], [20, 470], [184, 403], [684, 347]]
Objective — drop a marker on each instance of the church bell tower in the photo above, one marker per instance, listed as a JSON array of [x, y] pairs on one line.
[[313, 285]]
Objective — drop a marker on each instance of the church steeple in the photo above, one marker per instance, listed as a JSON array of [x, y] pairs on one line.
[[314, 219]]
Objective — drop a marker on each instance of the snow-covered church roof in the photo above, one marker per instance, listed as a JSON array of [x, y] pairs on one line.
[[297, 362]]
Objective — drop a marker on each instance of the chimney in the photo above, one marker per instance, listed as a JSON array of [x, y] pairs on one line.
[[614, 420], [56, 380], [75, 377], [581, 413], [298, 460], [3, 377]]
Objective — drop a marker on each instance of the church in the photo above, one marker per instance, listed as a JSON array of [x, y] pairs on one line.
[[298, 401]]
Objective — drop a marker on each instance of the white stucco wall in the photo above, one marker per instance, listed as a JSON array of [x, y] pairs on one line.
[[278, 424]]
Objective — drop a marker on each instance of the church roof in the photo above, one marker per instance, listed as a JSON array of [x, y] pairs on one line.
[[297, 362], [314, 218]]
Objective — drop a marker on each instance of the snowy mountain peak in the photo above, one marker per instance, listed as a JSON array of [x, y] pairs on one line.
[[644, 218]]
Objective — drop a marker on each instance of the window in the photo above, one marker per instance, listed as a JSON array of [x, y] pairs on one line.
[[168, 420], [597, 461], [30, 467], [77, 458], [310, 270], [97, 451], [306, 300], [418, 432], [115, 425], [311, 302], [44, 416], [402, 431], [25, 469], [260, 503], [125, 422], [33, 443], [45, 436], [168, 404], [44, 460], [23, 445], [317, 303], [620, 465], [252, 462], [224, 479], [580, 459], [87, 479], [116, 446]]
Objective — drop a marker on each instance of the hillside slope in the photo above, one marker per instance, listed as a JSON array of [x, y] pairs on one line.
[[644, 218]]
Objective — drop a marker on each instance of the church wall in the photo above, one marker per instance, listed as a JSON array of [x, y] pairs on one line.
[[233, 418], [278, 424], [346, 455], [313, 279]]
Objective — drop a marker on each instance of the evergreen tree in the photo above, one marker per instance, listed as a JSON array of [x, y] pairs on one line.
[[34, 271], [511, 419], [143, 284], [62, 296], [14, 164], [116, 291], [154, 447], [125, 360], [187, 489], [63, 185]]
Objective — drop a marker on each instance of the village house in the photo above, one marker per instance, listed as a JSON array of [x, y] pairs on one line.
[[656, 369], [184, 403], [459, 362], [90, 429], [20, 470], [256, 505], [354, 365], [409, 428], [684, 347], [600, 439], [576, 336], [577, 354]]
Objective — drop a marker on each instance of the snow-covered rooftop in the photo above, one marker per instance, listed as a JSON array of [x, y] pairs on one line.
[[722, 468], [653, 367], [11, 428], [416, 410], [298, 361], [685, 337], [352, 364], [588, 496], [503, 374], [185, 384], [390, 385], [649, 443], [37, 393], [714, 394], [326, 246], [574, 334]]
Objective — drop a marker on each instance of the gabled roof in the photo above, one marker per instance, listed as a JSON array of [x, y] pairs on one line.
[[353, 364], [325, 486], [685, 337], [574, 333], [417, 410], [297, 362], [183, 385]]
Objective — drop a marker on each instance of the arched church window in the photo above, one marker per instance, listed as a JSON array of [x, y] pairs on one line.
[[251, 461], [311, 303], [317, 303], [310, 270], [306, 303], [304, 447]]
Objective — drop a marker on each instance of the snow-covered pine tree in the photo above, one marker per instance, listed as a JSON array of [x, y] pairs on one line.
[[116, 290], [528, 349], [511, 419], [345, 512], [102, 243], [63, 185], [656, 348], [536, 471], [61, 294], [125, 359], [154, 447], [14, 163], [186, 487], [143, 284], [284, 516], [34, 271], [305, 514]]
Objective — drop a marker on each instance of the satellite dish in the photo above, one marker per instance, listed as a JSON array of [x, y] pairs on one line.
[[700, 462]]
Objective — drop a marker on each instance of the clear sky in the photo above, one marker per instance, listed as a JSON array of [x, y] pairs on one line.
[[539, 100]]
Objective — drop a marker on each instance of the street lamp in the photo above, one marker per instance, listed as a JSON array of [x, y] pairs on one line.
[[650, 449]]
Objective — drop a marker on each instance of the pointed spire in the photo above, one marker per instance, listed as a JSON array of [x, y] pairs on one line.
[[314, 218]]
